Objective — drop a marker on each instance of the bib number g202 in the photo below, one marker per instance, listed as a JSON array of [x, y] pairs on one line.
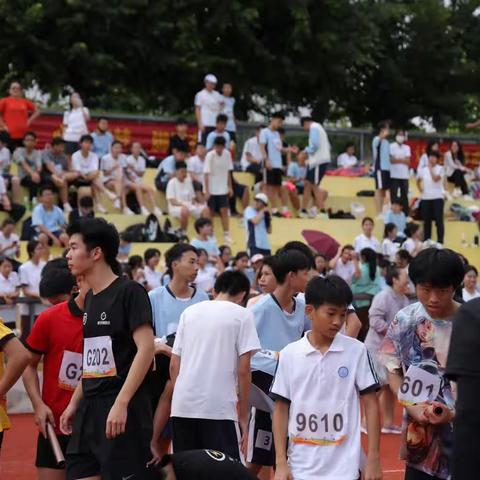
[[418, 386], [98, 359]]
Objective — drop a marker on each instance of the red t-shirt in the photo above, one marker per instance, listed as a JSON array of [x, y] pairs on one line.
[[15, 115], [57, 334]]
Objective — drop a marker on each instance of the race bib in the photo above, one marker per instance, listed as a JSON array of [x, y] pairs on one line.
[[70, 370], [321, 424], [98, 360], [418, 386]]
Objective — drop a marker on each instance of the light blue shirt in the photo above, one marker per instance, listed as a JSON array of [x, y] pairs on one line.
[[257, 235], [229, 104], [276, 329], [213, 135], [295, 171], [53, 219], [273, 144], [210, 245], [167, 308], [384, 154], [399, 219], [313, 141], [102, 143], [167, 168]]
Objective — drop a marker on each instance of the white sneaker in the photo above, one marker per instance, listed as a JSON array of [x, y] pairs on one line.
[[67, 208], [116, 204], [456, 193], [302, 214], [313, 212], [157, 212], [111, 195], [144, 211], [227, 238], [380, 217], [127, 211], [101, 208]]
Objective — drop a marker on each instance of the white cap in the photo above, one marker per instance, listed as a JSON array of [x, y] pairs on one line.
[[256, 258], [261, 197], [210, 78]]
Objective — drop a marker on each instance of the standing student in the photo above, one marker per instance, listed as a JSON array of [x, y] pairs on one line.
[[75, 123], [109, 415], [280, 319], [212, 350], [29, 161], [220, 131], [414, 352], [168, 302], [381, 164], [400, 155], [431, 183], [259, 224], [56, 337], [366, 239], [9, 292], [208, 104], [317, 386], [229, 110]]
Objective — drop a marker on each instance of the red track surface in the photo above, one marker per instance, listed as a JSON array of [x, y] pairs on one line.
[[18, 452]]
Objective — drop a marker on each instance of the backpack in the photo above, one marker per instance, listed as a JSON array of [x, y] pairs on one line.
[[28, 232], [136, 232]]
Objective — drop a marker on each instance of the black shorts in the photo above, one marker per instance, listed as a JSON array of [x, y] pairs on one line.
[[71, 147], [216, 202], [203, 135], [199, 433], [382, 179], [273, 177], [45, 457], [80, 182], [89, 453], [238, 190], [197, 186], [316, 174]]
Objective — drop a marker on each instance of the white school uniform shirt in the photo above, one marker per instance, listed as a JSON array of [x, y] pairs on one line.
[[324, 389], [468, 296], [210, 104], [345, 270], [346, 161], [218, 168], [108, 162], [389, 249], [180, 191], [4, 242], [5, 160], [206, 277], [85, 165], [431, 190], [30, 275], [75, 124], [399, 170], [152, 277], [251, 146], [362, 241], [134, 168], [228, 110], [195, 166], [211, 337]]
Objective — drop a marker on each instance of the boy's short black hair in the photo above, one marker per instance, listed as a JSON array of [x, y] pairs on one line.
[[150, 253], [392, 272], [440, 268], [31, 246], [222, 118], [396, 201], [30, 134], [220, 141], [86, 202], [301, 247], [411, 229], [232, 282], [348, 145], [200, 223], [279, 114], [57, 141], [202, 251], [404, 255], [181, 121], [102, 118], [332, 289], [116, 142], [289, 261], [383, 124], [135, 261], [45, 188], [304, 120], [434, 154], [8, 221], [59, 263], [367, 219], [97, 232], [56, 279], [86, 138], [389, 228], [180, 165], [175, 253]]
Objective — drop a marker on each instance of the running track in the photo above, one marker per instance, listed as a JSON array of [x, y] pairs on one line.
[[18, 452]]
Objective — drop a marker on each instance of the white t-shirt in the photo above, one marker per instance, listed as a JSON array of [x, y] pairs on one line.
[[345, 270], [431, 190], [180, 191], [251, 146], [206, 278], [362, 241], [5, 160], [30, 275], [134, 168], [324, 415], [5, 242], [389, 249], [228, 110], [108, 162], [75, 124], [195, 166], [152, 277], [211, 336], [84, 165], [218, 168], [399, 170], [346, 161], [468, 296], [210, 104], [10, 284]]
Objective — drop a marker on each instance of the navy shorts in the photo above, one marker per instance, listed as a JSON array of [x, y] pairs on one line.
[[216, 202], [382, 179], [316, 174], [273, 176]]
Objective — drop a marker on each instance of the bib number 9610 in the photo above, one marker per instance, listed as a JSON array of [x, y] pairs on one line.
[[326, 423], [418, 386]]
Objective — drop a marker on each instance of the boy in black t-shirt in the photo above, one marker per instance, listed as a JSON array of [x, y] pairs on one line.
[[109, 416]]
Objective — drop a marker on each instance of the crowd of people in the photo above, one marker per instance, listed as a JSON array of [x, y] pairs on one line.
[[247, 365]]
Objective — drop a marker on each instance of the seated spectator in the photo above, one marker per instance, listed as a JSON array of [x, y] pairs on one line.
[[135, 270], [470, 286], [389, 247], [102, 138], [225, 256], [396, 216], [402, 259], [342, 264], [166, 169], [206, 239], [241, 264], [206, 274], [86, 164], [347, 159], [296, 174], [321, 264], [112, 173], [48, 220], [151, 258], [195, 168], [56, 170], [256, 261], [14, 210], [258, 221], [75, 124], [133, 172], [84, 210], [181, 198], [413, 244], [366, 239], [30, 274], [220, 131], [179, 141], [12, 181], [125, 247], [29, 161], [9, 291], [252, 158], [455, 170], [366, 278], [9, 242], [266, 281]]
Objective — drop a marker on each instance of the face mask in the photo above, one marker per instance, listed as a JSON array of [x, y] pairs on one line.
[[400, 138]]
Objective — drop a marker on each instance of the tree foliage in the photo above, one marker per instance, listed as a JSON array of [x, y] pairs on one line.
[[367, 59]]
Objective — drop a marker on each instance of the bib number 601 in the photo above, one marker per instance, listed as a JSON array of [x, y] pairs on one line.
[[327, 423], [418, 386]]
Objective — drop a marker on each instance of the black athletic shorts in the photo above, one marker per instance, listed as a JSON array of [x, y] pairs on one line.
[[238, 190], [315, 174], [71, 147], [199, 433], [45, 457], [273, 176], [89, 453], [197, 186], [382, 179], [216, 202]]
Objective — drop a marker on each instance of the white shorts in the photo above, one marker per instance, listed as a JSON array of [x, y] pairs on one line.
[[194, 210], [127, 182]]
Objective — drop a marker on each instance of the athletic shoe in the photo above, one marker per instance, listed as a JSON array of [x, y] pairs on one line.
[[111, 195], [456, 193], [101, 208], [302, 213], [286, 214], [276, 213], [157, 212], [67, 208], [393, 430], [227, 238], [127, 211], [116, 204], [313, 212], [144, 211]]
